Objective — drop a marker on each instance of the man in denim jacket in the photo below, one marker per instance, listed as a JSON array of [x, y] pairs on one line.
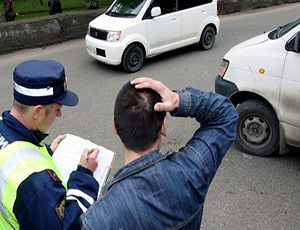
[[155, 191]]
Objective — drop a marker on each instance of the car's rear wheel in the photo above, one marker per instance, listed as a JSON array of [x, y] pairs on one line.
[[208, 38], [133, 58], [257, 128]]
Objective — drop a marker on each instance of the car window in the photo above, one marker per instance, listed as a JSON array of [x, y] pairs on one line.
[[290, 46], [126, 8], [166, 6], [185, 4], [282, 30]]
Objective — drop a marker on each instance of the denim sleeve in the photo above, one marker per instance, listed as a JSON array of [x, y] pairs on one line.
[[217, 118]]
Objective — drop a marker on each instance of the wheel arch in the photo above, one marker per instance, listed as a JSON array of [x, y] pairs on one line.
[[135, 43], [209, 21], [241, 96], [211, 25], [203, 27]]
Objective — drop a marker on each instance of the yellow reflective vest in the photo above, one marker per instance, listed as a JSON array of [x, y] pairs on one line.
[[17, 162]]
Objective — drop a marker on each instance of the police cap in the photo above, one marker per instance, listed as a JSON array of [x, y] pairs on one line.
[[42, 82]]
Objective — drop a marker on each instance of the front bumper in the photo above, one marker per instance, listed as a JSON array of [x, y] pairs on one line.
[[106, 52], [224, 87]]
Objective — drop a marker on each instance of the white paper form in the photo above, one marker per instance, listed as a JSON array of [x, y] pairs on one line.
[[68, 154]]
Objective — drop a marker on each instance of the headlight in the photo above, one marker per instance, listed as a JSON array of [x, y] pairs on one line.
[[223, 67], [88, 30], [113, 36]]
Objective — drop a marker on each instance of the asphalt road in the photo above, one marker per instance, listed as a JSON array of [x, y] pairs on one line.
[[248, 192]]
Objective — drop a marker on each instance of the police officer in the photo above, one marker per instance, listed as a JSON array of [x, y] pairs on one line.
[[33, 194]]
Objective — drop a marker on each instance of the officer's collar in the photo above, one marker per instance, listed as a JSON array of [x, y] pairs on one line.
[[33, 136]]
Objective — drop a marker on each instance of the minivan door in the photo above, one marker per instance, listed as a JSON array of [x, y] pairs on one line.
[[163, 31], [194, 18], [289, 103]]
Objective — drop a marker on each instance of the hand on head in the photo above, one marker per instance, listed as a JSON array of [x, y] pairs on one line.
[[170, 99]]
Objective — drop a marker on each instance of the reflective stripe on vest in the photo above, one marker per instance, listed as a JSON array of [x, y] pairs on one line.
[[17, 162]]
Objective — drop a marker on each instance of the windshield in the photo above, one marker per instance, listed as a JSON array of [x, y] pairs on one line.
[[126, 8], [282, 30]]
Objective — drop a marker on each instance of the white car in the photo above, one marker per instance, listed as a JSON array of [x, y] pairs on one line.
[[131, 31], [261, 77]]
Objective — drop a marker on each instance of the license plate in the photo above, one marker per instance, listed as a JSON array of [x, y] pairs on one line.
[[91, 49]]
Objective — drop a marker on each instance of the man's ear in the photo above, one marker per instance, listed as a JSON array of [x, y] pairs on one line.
[[36, 111], [114, 126], [163, 129]]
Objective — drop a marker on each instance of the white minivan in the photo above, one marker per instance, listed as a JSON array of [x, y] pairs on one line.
[[132, 30], [261, 77]]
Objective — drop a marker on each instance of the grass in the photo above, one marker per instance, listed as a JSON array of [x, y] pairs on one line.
[[33, 8]]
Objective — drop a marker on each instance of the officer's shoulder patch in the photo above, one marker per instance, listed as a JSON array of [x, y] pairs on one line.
[[60, 209], [53, 175]]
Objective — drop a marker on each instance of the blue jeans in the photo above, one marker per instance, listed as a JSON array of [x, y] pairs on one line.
[[159, 191]]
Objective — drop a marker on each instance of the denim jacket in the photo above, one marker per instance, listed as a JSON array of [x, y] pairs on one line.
[[159, 191]]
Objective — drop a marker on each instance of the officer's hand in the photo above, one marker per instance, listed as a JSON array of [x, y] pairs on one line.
[[56, 142], [170, 99], [89, 159]]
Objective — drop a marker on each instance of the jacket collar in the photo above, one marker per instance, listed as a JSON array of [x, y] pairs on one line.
[[33, 136], [135, 166]]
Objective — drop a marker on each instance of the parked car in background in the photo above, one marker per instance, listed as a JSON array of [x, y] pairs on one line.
[[261, 77], [131, 31]]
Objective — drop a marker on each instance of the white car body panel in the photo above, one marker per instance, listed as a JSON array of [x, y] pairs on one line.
[[279, 84], [157, 35]]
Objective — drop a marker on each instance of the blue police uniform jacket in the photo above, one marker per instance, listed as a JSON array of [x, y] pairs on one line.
[[40, 198], [167, 191]]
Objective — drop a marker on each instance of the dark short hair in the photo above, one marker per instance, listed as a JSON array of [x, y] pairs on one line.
[[137, 123]]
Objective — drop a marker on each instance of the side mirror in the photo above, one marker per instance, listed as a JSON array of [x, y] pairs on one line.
[[155, 11], [297, 42]]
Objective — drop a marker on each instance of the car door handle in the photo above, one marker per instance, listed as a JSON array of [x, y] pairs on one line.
[[203, 11], [174, 19]]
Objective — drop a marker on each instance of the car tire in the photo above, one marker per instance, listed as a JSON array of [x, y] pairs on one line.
[[133, 58], [257, 128], [208, 38]]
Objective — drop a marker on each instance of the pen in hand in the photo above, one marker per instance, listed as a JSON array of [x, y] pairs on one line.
[[89, 159], [88, 156]]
